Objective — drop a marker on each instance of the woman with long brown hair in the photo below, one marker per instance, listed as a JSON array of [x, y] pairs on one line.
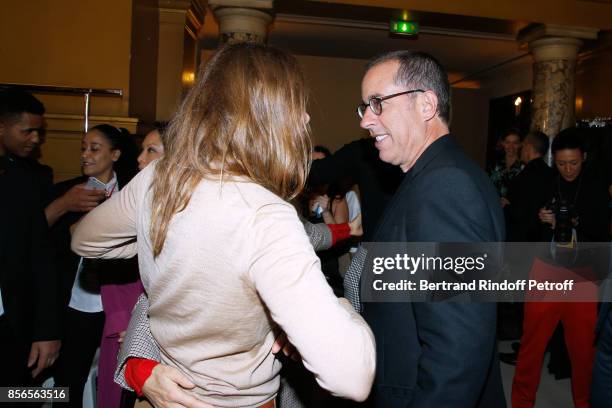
[[223, 256]]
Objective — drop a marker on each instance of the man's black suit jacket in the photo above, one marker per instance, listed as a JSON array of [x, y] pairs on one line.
[[28, 277], [67, 261], [527, 193], [444, 354]]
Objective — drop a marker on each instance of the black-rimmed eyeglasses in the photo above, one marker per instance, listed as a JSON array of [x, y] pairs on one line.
[[375, 102]]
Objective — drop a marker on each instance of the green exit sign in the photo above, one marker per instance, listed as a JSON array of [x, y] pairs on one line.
[[404, 27]]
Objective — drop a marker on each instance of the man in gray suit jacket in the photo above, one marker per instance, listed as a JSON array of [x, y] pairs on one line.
[[429, 354]]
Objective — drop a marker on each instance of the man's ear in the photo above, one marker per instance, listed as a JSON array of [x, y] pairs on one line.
[[429, 105]]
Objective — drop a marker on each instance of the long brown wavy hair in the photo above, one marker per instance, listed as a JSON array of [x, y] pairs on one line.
[[245, 116]]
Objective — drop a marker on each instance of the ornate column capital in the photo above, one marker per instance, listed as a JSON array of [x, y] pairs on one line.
[[242, 20], [253, 4], [554, 42], [537, 31], [554, 48]]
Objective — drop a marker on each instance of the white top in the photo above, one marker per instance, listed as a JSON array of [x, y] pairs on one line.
[[354, 206], [80, 299], [1, 306], [235, 263]]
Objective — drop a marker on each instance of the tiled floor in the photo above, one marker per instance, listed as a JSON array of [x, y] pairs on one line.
[[551, 393]]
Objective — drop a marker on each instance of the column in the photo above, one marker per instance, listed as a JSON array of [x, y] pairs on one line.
[[554, 50], [172, 18]]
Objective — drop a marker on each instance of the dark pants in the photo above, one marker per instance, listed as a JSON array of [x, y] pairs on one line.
[[14, 369], [601, 387], [14, 356], [82, 335]]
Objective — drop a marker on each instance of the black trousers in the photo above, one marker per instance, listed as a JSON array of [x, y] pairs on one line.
[[14, 355], [82, 336], [14, 371]]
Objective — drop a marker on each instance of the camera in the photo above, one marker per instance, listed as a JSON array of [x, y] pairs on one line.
[[564, 216]]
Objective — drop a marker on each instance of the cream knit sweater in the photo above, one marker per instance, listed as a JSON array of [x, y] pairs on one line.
[[236, 264]]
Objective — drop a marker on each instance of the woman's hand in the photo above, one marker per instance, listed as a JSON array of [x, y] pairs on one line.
[[547, 217], [322, 201], [165, 388], [356, 226]]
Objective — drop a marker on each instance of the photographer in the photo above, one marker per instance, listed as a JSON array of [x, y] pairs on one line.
[[576, 212], [577, 206]]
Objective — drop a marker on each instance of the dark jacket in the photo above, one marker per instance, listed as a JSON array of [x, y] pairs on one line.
[[527, 193], [588, 199], [437, 355], [28, 278]]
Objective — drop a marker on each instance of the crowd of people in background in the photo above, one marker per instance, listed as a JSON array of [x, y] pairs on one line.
[[211, 232]]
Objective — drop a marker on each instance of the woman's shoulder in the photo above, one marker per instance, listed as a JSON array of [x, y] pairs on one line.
[[145, 177], [256, 196]]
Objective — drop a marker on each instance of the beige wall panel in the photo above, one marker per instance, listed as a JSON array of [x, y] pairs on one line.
[[77, 43], [335, 92], [593, 84]]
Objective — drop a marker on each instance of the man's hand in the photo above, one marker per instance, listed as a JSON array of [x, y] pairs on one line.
[[504, 202], [547, 216], [81, 199], [282, 343], [77, 199], [165, 388], [45, 352]]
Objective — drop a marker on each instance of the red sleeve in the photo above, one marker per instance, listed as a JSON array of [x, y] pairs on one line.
[[137, 371], [339, 232]]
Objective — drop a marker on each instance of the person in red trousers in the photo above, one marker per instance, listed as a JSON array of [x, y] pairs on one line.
[[577, 212]]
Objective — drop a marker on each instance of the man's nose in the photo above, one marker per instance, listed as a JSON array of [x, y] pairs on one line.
[[368, 119], [35, 136]]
